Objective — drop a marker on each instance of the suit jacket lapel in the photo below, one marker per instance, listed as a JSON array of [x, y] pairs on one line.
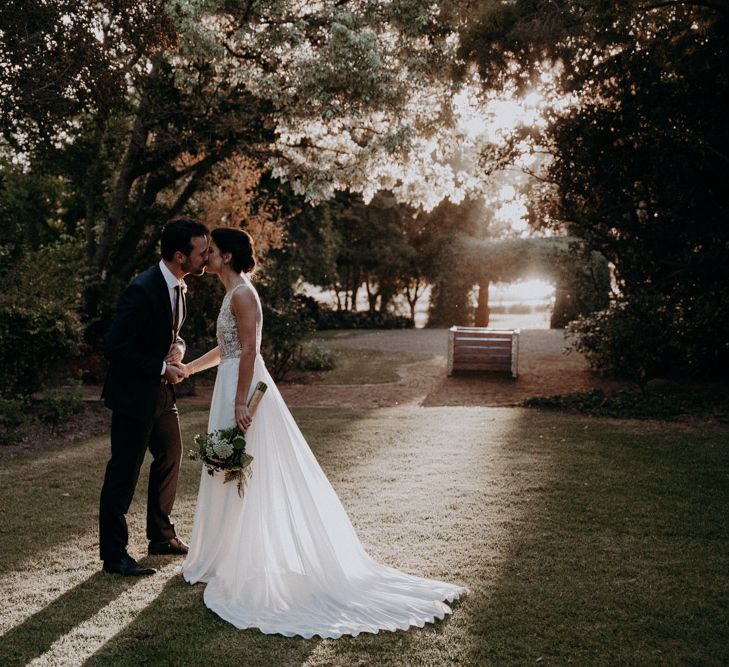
[[164, 293]]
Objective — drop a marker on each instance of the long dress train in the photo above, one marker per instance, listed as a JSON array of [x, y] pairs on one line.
[[285, 558]]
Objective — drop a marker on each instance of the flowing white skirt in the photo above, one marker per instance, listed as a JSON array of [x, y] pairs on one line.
[[285, 558]]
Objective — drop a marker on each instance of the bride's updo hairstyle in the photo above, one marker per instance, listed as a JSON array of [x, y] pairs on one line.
[[239, 244]]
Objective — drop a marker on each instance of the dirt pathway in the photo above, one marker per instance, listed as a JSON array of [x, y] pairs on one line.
[[544, 369]]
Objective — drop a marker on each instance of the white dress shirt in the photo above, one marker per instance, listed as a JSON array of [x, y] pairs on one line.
[[172, 282]]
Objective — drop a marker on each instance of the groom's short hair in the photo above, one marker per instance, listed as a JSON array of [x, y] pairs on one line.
[[177, 235]]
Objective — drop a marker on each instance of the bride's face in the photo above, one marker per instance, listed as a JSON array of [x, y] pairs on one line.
[[215, 259]]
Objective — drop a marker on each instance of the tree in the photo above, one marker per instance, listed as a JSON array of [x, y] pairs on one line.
[[639, 159], [142, 100]]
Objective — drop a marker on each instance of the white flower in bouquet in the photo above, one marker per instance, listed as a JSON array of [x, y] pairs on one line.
[[222, 449]]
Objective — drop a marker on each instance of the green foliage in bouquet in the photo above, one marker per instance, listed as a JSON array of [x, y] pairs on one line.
[[224, 451]]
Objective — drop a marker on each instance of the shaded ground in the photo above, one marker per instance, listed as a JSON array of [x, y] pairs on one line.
[[544, 370], [583, 541]]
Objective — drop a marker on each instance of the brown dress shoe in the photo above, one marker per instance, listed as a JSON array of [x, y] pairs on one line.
[[173, 547]]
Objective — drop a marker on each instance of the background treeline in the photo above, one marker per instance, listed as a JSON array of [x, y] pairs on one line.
[[640, 165], [114, 119]]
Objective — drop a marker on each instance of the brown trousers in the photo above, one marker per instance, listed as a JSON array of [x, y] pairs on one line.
[[130, 438]]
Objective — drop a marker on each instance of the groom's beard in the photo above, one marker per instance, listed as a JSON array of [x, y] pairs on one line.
[[187, 268]]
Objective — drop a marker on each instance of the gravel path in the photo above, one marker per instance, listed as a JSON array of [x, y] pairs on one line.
[[545, 369]]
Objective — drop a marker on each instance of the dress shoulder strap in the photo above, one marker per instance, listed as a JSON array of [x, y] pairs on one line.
[[229, 295]]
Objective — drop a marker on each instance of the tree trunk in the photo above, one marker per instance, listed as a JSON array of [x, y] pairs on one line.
[[125, 178], [412, 294], [387, 292], [371, 296], [483, 313], [356, 282]]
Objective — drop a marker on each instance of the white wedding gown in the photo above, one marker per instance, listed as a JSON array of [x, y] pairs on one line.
[[285, 558]]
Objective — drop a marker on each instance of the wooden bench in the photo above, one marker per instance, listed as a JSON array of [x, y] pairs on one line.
[[481, 349]]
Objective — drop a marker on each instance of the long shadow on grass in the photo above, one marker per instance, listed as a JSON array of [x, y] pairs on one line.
[[624, 555], [56, 499], [35, 635], [177, 629]]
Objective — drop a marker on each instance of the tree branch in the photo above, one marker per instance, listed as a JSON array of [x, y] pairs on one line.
[[717, 5]]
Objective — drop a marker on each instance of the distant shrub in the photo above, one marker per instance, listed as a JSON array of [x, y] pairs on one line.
[[315, 357], [635, 404], [58, 404], [40, 329], [13, 419], [327, 318]]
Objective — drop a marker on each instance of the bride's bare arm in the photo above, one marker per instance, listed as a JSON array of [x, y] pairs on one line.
[[244, 307], [207, 360]]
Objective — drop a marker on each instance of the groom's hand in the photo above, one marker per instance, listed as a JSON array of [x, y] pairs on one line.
[[174, 373], [177, 351]]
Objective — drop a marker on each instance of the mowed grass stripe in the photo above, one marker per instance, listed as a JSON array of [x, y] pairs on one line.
[[582, 540], [75, 647]]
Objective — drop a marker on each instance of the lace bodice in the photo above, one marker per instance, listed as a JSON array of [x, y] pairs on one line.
[[226, 330]]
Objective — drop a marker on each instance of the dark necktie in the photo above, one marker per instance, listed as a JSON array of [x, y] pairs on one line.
[[177, 311]]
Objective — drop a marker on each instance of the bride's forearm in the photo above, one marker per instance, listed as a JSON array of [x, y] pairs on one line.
[[245, 376], [207, 360]]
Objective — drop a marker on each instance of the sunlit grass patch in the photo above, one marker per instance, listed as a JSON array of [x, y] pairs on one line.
[[583, 541], [360, 366]]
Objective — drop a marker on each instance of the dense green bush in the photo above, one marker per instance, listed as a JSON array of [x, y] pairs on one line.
[[58, 404], [35, 339], [635, 404], [287, 315], [583, 287], [315, 357], [632, 339], [13, 419], [327, 318], [40, 329]]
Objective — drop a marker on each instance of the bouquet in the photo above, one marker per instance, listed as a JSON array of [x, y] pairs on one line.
[[224, 450]]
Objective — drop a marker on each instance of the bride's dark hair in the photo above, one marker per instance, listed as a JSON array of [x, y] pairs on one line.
[[239, 244]]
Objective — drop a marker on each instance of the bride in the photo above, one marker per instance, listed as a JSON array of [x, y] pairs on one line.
[[284, 558]]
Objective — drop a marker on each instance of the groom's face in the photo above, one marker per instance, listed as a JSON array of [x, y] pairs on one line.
[[195, 262]]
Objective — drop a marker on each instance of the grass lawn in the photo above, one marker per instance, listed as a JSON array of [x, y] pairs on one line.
[[354, 366], [357, 366], [584, 541]]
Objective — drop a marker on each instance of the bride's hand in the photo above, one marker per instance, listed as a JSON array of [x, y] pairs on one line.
[[242, 417]]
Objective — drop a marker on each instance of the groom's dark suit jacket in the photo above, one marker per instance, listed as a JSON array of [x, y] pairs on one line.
[[139, 339]]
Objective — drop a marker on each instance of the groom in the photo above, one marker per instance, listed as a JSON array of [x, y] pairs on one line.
[[144, 350]]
